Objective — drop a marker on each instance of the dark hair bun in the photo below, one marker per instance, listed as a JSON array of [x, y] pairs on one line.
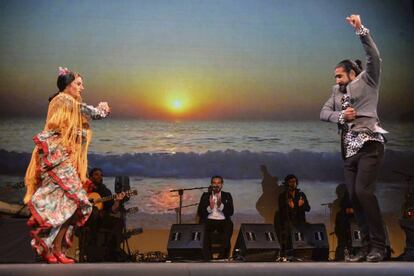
[[359, 63], [62, 82], [65, 80]]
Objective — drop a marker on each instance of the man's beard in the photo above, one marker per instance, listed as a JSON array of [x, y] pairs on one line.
[[342, 88]]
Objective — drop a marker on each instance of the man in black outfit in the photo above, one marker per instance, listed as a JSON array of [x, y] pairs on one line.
[[293, 205], [215, 209]]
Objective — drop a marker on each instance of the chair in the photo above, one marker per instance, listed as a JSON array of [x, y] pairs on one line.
[[94, 247]]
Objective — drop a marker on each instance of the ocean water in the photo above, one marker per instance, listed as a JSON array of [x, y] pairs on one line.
[[117, 137], [200, 149]]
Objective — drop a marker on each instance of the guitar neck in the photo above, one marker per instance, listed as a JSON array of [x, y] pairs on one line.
[[107, 198], [111, 197]]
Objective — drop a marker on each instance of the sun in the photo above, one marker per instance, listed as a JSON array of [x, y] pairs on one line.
[[178, 102], [177, 105]]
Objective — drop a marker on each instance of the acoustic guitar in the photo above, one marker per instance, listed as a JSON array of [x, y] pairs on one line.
[[98, 201]]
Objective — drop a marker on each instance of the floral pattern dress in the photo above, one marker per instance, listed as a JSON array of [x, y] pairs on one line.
[[60, 193]]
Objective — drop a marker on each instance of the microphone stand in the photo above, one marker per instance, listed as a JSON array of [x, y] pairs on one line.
[[177, 209], [181, 193], [287, 230]]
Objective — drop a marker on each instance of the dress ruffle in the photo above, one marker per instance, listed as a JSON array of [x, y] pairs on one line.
[[59, 195]]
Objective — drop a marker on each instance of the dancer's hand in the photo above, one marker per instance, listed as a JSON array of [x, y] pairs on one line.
[[104, 106], [354, 20], [349, 114], [291, 204]]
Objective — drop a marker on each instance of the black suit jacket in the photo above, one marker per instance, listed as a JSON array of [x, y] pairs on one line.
[[226, 200]]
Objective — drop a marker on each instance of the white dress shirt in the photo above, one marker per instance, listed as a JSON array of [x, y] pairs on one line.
[[217, 212]]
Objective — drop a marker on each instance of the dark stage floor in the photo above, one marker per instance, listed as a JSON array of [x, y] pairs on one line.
[[216, 269]]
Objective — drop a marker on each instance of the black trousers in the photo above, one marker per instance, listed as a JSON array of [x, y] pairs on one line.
[[224, 228], [360, 173]]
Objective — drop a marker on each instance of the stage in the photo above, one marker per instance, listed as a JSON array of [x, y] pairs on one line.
[[212, 268]]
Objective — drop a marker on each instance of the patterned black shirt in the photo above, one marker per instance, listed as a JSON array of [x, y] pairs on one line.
[[353, 141]]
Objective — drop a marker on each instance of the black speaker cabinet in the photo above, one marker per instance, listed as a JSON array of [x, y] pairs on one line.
[[310, 242], [188, 242], [257, 243]]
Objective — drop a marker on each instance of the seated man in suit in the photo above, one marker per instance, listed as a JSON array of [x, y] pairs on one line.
[[215, 209]]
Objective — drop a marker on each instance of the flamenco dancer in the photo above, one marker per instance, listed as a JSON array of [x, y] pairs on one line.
[[353, 106], [57, 171]]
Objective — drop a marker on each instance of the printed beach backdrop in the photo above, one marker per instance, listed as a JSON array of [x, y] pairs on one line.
[[199, 88]]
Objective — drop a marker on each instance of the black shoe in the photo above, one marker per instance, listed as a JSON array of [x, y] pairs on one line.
[[360, 256], [376, 255]]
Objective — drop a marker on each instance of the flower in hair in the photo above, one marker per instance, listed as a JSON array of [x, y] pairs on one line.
[[63, 71]]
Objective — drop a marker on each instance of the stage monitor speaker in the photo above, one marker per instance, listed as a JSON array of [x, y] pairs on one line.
[[122, 184], [256, 243], [15, 241], [356, 238], [310, 242], [188, 242]]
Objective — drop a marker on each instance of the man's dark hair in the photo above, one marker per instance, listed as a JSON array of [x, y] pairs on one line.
[[94, 170], [289, 177], [217, 176], [349, 65]]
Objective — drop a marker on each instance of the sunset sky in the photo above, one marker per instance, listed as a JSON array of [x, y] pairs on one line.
[[223, 59]]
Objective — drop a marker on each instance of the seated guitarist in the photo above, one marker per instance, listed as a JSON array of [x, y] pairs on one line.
[[96, 176], [107, 219]]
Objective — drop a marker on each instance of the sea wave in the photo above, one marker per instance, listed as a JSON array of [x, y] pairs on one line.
[[229, 163]]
